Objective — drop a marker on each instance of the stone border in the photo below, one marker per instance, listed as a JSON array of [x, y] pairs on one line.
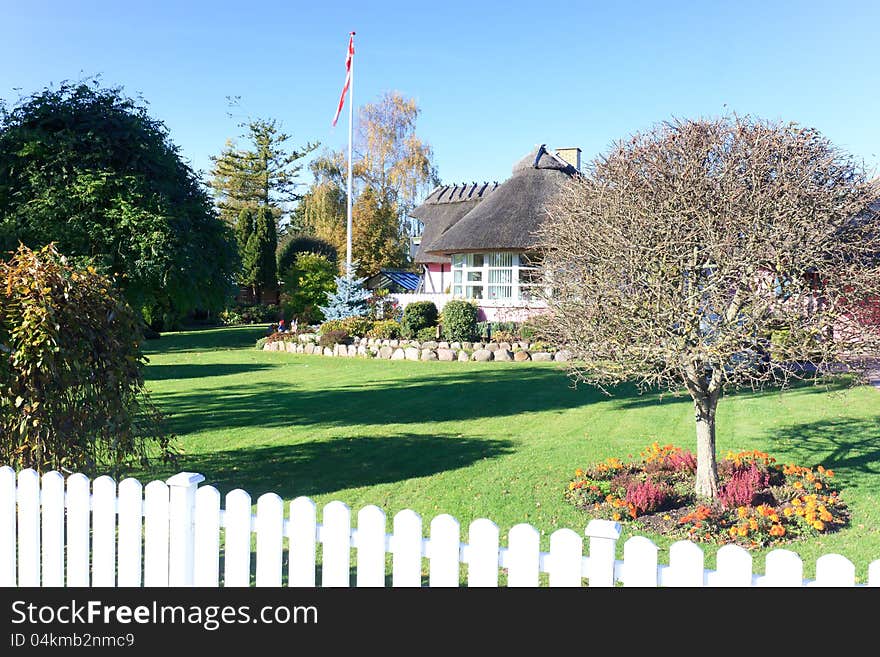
[[414, 350]]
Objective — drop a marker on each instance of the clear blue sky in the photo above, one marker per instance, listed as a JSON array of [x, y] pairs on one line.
[[492, 78]]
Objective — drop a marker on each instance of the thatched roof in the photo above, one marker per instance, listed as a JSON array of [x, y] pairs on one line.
[[507, 219], [445, 206]]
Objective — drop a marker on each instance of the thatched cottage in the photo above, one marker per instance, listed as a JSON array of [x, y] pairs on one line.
[[478, 239]]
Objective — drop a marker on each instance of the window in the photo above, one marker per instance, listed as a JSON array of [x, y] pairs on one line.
[[497, 276]]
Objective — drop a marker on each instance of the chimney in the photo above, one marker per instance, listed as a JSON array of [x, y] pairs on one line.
[[571, 155]]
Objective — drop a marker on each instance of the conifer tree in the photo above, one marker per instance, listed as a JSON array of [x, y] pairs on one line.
[[349, 299]]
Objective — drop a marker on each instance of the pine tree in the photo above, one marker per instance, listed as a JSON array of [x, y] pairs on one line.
[[259, 269], [244, 227], [350, 298]]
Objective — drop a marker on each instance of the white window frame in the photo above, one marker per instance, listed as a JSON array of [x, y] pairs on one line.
[[470, 279]]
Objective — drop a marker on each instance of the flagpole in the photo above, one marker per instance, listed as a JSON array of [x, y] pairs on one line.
[[348, 204]]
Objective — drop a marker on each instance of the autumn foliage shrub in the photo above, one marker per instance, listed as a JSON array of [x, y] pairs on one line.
[[72, 393]]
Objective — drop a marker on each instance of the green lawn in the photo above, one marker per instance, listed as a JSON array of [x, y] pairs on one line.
[[475, 439]]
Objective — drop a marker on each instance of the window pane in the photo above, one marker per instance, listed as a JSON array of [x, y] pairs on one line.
[[474, 292], [500, 275], [475, 260], [476, 276], [501, 260], [530, 259], [500, 291], [529, 276], [456, 291], [457, 260], [456, 276]]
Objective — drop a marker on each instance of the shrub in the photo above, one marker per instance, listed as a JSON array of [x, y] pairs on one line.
[[426, 334], [358, 326], [386, 329], [743, 487], [261, 343], [481, 330], [505, 327], [250, 314], [307, 284], [542, 346], [292, 247], [332, 325], [72, 391], [646, 497], [459, 320], [382, 306], [416, 316], [504, 336], [330, 338]]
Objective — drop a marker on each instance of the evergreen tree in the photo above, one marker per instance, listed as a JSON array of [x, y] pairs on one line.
[[244, 228], [259, 269], [349, 299], [261, 175]]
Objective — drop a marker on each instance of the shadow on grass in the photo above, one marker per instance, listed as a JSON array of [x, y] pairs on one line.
[[170, 372], [432, 397], [320, 467], [206, 339], [849, 445]]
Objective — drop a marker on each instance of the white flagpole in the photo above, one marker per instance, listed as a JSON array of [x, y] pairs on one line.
[[350, 121]]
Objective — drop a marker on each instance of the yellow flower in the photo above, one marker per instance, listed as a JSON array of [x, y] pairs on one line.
[[788, 512], [615, 516], [742, 512], [818, 524]]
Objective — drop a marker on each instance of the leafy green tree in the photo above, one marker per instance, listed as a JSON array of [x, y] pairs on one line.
[[259, 268], [72, 391], [307, 282], [292, 245], [263, 174], [88, 169], [244, 228]]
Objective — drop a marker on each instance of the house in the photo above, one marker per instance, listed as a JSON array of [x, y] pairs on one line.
[[478, 240]]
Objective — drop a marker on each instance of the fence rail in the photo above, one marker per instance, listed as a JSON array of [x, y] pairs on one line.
[[97, 533]]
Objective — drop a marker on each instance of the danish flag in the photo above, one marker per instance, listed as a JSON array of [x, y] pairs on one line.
[[347, 77]]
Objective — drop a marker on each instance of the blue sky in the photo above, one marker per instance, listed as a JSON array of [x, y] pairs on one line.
[[492, 78]]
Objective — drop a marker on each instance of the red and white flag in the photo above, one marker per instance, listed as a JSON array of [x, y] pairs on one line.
[[348, 59]]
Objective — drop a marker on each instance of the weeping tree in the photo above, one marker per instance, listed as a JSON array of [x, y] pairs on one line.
[[715, 255]]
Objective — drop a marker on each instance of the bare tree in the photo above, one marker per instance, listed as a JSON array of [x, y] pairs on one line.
[[713, 255]]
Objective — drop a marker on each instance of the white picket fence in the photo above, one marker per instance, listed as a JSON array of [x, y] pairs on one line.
[[82, 533]]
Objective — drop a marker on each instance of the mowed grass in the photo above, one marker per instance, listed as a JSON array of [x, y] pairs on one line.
[[495, 440]]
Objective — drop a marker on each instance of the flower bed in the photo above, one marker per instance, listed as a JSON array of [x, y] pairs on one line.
[[759, 503]]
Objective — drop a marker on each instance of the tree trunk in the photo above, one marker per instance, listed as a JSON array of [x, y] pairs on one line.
[[707, 469]]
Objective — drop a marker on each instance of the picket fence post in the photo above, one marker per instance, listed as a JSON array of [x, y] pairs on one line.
[[523, 556], [104, 531], [207, 539], [444, 551], [78, 530], [237, 554], [603, 535], [639, 562], [181, 527], [482, 553], [53, 528], [270, 539], [566, 553], [28, 528], [336, 539], [370, 546], [7, 526], [874, 573], [302, 535]]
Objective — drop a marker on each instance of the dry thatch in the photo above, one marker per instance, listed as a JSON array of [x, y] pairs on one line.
[[443, 208], [508, 219]]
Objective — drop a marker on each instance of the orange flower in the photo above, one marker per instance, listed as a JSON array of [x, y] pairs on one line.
[[777, 530], [818, 524], [742, 512], [578, 473], [824, 515], [818, 485], [829, 473], [615, 516], [788, 512], [821, 469]]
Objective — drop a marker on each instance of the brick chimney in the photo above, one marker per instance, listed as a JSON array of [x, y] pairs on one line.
[[571, 155]]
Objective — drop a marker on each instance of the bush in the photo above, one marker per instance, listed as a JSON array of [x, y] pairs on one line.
[[481, 331], [331, 338], [261, 343], [384, 330], [503, 327], [459, 321], [292, 247], [358, 326], [307, 284], [250, 314], [332, 325], [426, 334], [382, 305], [72, 393], [504, 336], [416, 316]]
